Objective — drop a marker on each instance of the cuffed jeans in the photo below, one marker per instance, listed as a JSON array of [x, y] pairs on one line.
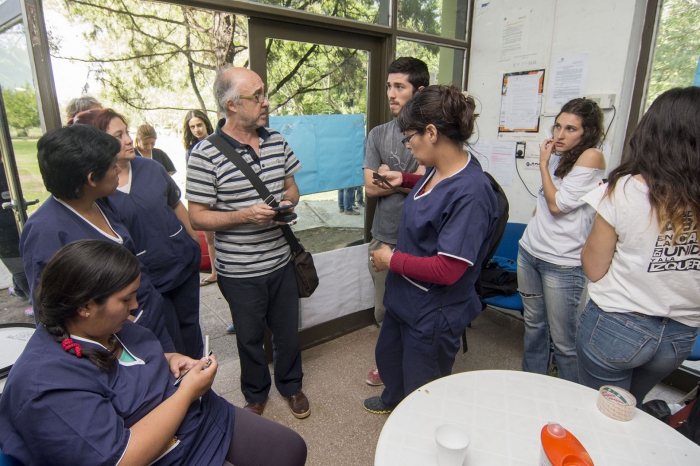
[[630, 351], [551, 295], [346, 198]]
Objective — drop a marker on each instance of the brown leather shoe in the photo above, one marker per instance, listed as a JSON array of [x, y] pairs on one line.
[[255, 408], [299, 405]]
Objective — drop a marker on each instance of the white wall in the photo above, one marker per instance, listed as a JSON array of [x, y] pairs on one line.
[[609, 31]]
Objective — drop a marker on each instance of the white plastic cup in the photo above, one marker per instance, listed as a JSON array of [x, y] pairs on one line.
[[452, 443]]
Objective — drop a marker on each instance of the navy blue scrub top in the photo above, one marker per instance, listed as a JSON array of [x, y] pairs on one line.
[[160, 238], [54, 225], [60, 409], [456, 218]]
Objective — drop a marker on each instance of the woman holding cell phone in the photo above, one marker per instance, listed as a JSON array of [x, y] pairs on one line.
[[550, 278], [446, 225], [105, 393]]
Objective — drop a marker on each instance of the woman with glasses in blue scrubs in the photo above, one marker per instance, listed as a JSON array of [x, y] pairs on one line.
[[446, 225]]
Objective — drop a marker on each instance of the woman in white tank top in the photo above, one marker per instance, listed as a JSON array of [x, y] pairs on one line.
[[550, 279], [642, 255]]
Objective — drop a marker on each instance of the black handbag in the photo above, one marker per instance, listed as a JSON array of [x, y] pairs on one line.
[[304, 268]]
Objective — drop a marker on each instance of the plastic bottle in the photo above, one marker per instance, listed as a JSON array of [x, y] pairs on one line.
[[561, 448]]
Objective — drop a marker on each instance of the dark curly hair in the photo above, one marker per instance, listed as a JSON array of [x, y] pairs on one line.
[[445, 107], [592, 121], [188, 138], [665, 150]]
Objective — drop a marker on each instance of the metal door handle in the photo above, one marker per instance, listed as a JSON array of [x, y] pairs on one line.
[[13, 205]]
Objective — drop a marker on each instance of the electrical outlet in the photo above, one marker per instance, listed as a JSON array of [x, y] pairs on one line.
[[603, 100], [519, 150]]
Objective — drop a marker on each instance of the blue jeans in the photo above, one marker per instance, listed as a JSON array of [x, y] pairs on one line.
[[551, 295], [630, 351], [346, 198]]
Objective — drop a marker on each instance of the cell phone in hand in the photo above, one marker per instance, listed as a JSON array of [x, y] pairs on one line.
[[283, 207], [379, 177]]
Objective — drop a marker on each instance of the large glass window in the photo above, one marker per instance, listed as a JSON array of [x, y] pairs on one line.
[[444, 18], [366, 11], [677, 50], [318, 101], [446, 64]]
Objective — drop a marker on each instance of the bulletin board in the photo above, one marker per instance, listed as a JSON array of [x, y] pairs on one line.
[[521, 101]]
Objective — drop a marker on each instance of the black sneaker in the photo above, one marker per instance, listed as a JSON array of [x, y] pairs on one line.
[[375, 405], [231, 330]]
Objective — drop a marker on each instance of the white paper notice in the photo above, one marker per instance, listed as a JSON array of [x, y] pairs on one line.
[[497, 158], [567, 79], [514, 35], [521, 102], [532, 156]]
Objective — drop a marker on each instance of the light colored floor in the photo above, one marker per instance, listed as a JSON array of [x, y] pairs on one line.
[[339, 432]]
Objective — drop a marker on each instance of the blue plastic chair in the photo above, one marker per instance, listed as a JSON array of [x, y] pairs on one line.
[[695, 354], [509, 249]]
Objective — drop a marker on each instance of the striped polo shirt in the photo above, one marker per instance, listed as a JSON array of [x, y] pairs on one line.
[[243, 250]]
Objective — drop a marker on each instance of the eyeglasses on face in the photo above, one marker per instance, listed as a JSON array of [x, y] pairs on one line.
[[407, 140], [259, 97]]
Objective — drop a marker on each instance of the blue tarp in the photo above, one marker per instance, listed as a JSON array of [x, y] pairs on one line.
[[329, 147]]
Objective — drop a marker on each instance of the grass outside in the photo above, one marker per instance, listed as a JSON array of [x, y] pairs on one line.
[[28, 169]]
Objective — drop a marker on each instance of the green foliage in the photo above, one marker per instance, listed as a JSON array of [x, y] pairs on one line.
[[21, 108], [154, 58], [306, 79], [677, 47], [360, 10]]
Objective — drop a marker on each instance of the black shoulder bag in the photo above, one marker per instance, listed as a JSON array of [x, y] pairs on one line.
[[307, 278]]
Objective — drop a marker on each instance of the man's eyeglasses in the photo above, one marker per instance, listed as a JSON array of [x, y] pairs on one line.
[[407, 140], [259, 97]]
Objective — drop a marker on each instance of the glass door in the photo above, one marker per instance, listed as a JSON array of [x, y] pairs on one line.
[[317, 82], [21, 186]]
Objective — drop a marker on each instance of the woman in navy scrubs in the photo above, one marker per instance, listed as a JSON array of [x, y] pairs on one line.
[[148, 204], [446, 225], [92, 388], [79, 168]]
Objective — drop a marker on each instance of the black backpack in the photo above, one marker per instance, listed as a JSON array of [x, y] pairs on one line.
[[490, 277]]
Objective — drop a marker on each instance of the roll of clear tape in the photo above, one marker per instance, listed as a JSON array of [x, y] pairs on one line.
[[616, 403]]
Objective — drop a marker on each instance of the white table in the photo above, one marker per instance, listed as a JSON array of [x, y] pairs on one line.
[[504, 412]]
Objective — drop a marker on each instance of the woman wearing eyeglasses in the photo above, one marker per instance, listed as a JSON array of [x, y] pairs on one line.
[[446, 225]]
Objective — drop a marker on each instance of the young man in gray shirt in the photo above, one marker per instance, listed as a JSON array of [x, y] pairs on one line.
[[384, 151]]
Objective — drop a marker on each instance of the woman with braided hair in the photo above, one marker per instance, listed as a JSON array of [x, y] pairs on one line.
[[550, 278], [446, 226], [93, 388]]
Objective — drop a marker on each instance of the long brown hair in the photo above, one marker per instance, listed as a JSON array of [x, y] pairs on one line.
[[665, 150], [592, 122], [188, 139]]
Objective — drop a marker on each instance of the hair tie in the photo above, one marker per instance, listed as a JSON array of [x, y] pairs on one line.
[[68, 344]]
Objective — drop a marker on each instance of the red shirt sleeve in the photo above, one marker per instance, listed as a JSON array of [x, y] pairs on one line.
[[409, 180], [443, 270]]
